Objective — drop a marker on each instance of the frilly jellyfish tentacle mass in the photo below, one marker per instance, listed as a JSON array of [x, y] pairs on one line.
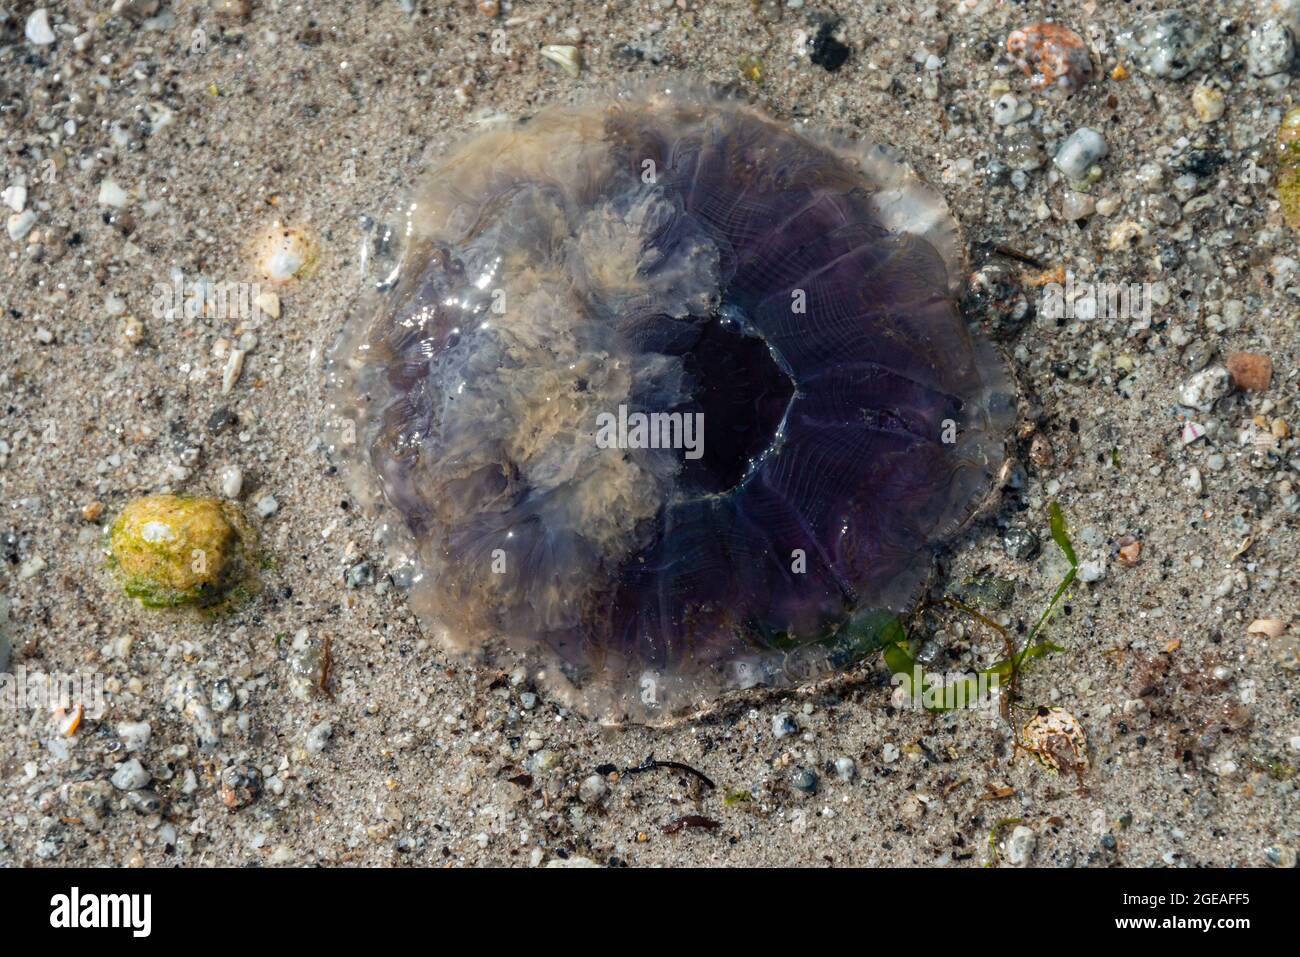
[[665, 399]]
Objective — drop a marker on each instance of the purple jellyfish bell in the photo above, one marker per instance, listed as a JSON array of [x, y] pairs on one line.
[[666, 399]]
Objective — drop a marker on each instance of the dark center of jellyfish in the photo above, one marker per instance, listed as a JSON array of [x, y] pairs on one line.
[[743, 392]]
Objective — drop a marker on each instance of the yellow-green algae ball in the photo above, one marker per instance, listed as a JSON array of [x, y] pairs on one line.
[[1288, 167], [174, 550]]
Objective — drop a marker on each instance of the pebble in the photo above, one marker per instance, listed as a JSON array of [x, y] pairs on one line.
[[110, 194], [20, 224], [232, 481], [805, 780], [269, 304], [1169, 44], [15, 197], [1022, 151], [1076, 206], [1020, 543], [1020, 845], [267, 506], [845, 769], [1010, 108], [31, 568], [38, 30], [1270, 49], [130, 776], [826, 51], [1130, 551], [1208, 103], [134, 734], [1080, 152], [144, 802], [308, 662], [783, 724], [223, 696], [593, 789], [154, 538], [1093, 571], [1250, 371], [318, 737], [240, 786], [1204, 388], [361, 575]]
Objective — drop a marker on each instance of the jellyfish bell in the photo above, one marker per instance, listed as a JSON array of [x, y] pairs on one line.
[[762, 317]]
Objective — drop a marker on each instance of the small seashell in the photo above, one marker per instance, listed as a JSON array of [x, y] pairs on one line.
[[234, 367], [283, 253], [68, 723], [1053, 55]]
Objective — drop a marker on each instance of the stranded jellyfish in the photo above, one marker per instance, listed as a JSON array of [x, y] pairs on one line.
[[663, 398]]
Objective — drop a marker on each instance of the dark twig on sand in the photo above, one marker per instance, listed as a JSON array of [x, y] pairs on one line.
[[650, 764]]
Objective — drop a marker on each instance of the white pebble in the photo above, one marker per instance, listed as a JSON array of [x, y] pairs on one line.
[[20, 224], [1080, 151], [134, 734], [15, 197], [1092, 571], [31, 568], [1020, 845], [130, 776], [267, 506], [592, 789], [1205, 388], [38, 28], [110, 194], [318, 737], [232, 481], [1009, 109], [1270, 49]]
